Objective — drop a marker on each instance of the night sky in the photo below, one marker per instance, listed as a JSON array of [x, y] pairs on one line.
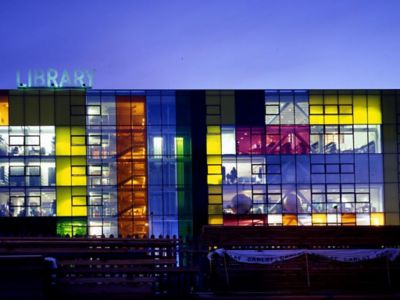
[[207, 43]]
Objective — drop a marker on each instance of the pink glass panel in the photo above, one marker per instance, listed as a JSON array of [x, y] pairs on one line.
[[243, 140], [288, 139], [257, 138]]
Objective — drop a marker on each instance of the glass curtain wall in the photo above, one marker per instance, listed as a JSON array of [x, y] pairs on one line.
[[317, 161]]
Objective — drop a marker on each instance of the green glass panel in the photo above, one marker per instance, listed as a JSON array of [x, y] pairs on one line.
[[72, 226]]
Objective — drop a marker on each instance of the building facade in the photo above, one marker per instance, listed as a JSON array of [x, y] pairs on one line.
[[139, 163]]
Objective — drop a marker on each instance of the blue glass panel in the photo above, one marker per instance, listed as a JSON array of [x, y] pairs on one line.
[[318, 178], [361, 168], [317, 158], [273, 159], [168, 110], [273, 178], [153, 110], [376, 168], [162, 164], [288, 169], [155, 169], [348, 178], [332, 178], [331, 159], [289, 198], [303, 169], [332, 168], [347, 158]]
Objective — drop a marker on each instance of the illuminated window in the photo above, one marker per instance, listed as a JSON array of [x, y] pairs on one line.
[[157, 147], [3, 110]]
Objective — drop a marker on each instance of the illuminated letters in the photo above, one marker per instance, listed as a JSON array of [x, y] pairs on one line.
[[53, 78]]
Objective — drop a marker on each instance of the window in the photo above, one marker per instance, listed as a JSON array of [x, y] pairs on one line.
[[94, 110], [157, 147], [3, 110]]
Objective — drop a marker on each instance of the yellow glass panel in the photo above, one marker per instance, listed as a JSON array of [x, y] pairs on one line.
[[63, 202], [78, 180], [331, 120], [377, 219], [63, 142], [215, 220], [78, 140], [214, 160], [3, 110], [330, 99], [316, 99], [214, 189], [331, 109], [213, 144], [79, 211], [78, 190], [317, 120], [360, 109], [214, 179], [214, 169], [63, 171], [78, 150], [345, 119], [289, 220], [78, 130], [316, 110], [79, 200], [374, 110], [345, 99], [318, 219], [214, 129], [78, 170], [78, 161], [215, 209], [214, 199], [345, 109]]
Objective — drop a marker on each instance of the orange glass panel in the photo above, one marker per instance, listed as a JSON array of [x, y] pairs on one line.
[[289, 220], [349, 219], [131, 166], [3, 110]]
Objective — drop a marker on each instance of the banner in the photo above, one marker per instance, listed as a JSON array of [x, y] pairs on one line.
[[272, 256]]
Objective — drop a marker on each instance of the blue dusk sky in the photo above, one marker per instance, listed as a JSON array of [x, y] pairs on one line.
[[206, 44]]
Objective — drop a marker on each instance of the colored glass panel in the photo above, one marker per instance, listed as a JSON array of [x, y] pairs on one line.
[[287, 139], [131, 166], [289, 220], [345, 109], [72, 226], [3, 110]]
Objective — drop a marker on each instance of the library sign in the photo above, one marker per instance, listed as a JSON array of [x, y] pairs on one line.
[[53, 78]]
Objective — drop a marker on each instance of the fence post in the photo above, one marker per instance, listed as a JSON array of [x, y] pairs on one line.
[[226, 272], [307, 271], [388, 272]]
